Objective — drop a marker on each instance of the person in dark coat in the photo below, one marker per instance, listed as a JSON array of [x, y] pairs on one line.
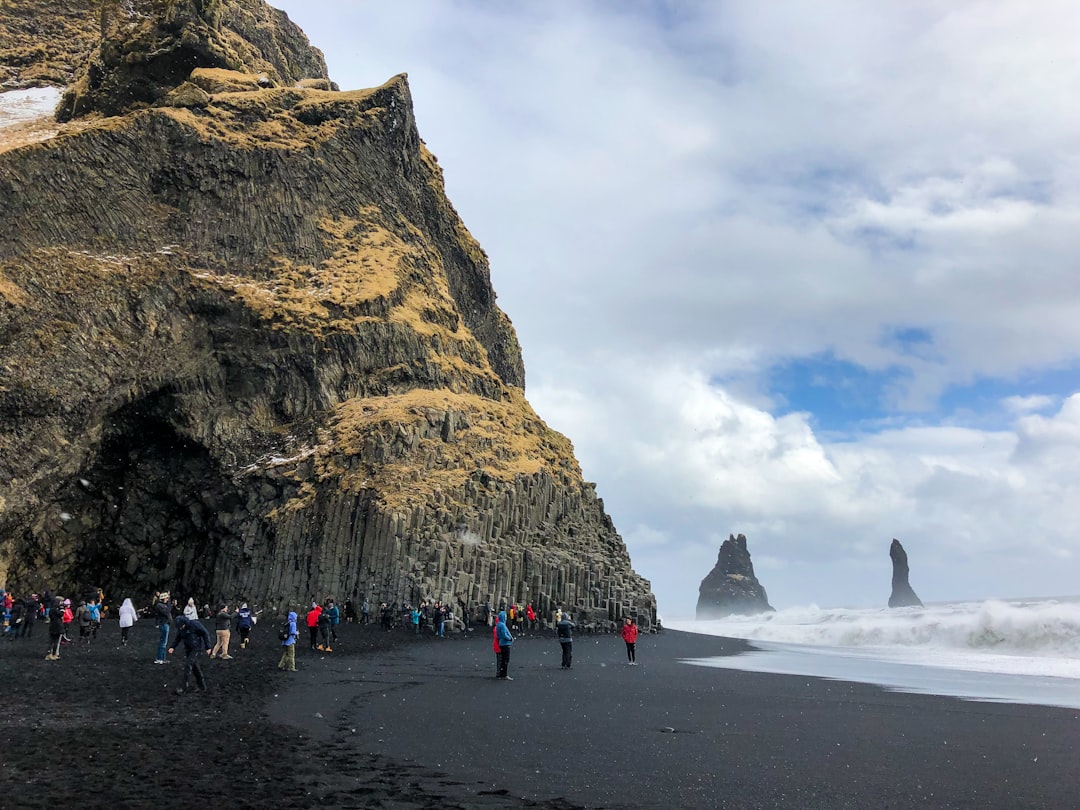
[[196, 639], [56, 630], [565, 631], [162, 621]]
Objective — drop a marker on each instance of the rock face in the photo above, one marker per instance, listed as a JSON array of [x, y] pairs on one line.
[[902, 595], [731, 586], [247, 346]]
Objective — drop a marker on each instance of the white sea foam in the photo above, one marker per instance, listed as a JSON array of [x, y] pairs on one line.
[[20, 106], [1017, 650]]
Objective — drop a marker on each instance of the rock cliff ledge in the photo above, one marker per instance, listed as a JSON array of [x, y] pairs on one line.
[[247, 347]]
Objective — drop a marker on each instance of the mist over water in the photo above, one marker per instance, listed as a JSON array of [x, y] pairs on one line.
[[1019, 651]]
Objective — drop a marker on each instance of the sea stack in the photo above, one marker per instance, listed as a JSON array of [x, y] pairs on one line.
[[902, 594], [731, 586], [247, 345]]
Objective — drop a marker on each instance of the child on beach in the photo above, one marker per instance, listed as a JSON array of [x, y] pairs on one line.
[[629, 635]]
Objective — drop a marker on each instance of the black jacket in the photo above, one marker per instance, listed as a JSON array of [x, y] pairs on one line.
[[193, 634]]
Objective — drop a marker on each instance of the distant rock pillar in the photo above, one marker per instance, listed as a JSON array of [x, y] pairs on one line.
[[902, 594], [731, 586]]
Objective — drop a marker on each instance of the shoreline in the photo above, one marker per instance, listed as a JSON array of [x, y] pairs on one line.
[[391, 721]]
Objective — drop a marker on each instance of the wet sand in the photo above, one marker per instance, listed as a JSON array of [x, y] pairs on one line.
[[386, 721]]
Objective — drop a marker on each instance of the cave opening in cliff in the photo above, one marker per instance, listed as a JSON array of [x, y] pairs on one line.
[[146, 510]]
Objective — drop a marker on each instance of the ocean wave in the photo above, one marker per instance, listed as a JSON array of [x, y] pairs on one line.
[[1042, 628]]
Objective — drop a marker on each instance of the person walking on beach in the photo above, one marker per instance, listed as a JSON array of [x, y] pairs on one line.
[[93, 607], [414, 617], [565, 631], [245, 620], [365, 611], [128, 617], [162, 620], [502, 633], [495, 647], [288, 645], [324, 630], [629, 635], [222, 622], [56, 630], [196, 638]]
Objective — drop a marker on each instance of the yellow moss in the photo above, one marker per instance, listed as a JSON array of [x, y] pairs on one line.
[[504, 439], [12, 293]]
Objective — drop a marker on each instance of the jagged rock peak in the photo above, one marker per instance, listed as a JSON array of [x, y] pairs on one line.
[[902, 593], [731, 586], [148, 48]]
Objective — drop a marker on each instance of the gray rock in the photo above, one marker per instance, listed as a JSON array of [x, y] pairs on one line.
[[731, 586], [902, 594]]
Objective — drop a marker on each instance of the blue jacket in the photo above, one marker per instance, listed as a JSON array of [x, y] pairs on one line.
[[243, 618], [335, 614], [292, 631], [503, 632]]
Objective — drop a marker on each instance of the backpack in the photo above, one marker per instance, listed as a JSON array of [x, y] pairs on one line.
[[283, 633]]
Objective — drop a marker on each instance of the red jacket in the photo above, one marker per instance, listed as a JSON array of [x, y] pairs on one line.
[[313, 616], [629, 633], [495, 637]]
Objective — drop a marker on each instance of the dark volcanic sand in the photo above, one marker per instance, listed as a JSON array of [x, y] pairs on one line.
[[389, 721]]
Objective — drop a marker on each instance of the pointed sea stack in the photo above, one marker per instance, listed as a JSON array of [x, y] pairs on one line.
[[248, 347], [902, 594], [731, 586]]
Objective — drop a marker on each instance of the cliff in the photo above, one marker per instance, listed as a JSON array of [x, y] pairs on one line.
[[248, 348], [731, 586], [902, 593]]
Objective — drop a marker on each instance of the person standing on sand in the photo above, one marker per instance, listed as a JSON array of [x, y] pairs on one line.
[[191, 613], [196, 638], [313, 624], [56, 630], [565, 631], [495, 647], [629, 635], [128, 617], [335, 619], [365, 611], [69, 617], [288, 646], [162, 620], [505, 639], [222, 622]]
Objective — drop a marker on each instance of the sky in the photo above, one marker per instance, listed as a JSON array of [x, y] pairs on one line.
[[802, 271]]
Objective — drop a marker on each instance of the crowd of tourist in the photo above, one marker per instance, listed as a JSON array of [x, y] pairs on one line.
[[179, 623]]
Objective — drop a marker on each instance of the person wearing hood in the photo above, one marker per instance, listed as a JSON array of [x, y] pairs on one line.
[[565, 631], [196, 639], [629, 635], [190, 611], [505, 639], [288, 646], [128, 617], [56, 630]]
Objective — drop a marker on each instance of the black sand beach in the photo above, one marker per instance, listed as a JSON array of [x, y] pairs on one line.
[[386, 721]]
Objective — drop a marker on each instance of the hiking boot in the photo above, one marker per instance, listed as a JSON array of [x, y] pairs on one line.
[[226, 658]]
